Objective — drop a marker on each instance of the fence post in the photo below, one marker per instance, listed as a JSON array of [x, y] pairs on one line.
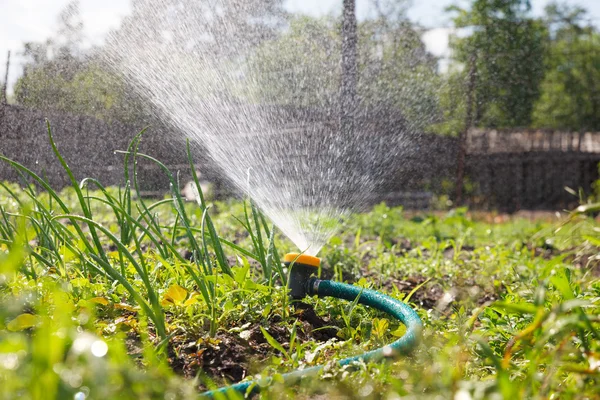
[[4, 99], [462, 138]]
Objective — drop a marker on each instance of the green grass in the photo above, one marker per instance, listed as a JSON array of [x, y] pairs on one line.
[[104, 294]]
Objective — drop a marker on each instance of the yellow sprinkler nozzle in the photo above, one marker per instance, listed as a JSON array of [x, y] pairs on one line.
[[303, 259], [302, 267]]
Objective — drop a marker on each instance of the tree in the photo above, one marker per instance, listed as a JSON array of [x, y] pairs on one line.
[[570, 91], [89, 90], [52, 62], [507, 47], [60, 75], [303, 67]]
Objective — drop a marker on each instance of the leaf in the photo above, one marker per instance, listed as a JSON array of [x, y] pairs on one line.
[[22, 322], [407, 298], [592, 239], [400, 331], [240, 274], [562, 284], [193, 299], [176, 295], [99, 300], [293, 336], [380, 326], [80, 282], [274, 343], [124, 306]]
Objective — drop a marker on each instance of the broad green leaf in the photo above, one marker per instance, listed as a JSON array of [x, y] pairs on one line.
[[562, 284], [22, 322], [176, 295], [380, 326], [400, 331], [240, 274]]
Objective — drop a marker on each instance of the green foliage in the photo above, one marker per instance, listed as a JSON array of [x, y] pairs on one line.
[[60, 75], [106, 294], [507, 48], [452, 103], [301, 67], [570, 90], [87, 89], [397, 71]]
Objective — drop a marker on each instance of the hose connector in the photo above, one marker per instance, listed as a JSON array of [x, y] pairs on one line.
[[302, 267]]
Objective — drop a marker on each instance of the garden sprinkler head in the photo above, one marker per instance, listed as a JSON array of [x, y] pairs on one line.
[[303, 266]]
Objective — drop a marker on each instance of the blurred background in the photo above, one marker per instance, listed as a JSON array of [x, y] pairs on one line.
[[507, 93]]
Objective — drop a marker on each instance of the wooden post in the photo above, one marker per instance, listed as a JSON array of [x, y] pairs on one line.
[[462, 138], [348, 98], [5, 84], [4, 99]]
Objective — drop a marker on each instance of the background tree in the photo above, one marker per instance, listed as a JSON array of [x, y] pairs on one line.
[[507, 46], [61, 75], [302, 67], [570, 91]]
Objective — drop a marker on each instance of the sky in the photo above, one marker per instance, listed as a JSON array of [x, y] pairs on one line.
[[35, 20]]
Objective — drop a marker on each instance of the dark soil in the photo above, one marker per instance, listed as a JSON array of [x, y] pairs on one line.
[[229, 357]]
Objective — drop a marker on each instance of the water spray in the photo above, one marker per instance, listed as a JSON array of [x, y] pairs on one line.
[[303, 282]]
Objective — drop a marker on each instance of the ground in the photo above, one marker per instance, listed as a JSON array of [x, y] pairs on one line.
[[105, 295]]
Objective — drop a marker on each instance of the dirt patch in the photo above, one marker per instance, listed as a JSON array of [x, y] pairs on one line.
[[231, 357]]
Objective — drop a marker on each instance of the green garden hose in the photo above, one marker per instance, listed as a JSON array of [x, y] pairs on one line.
[[372, 298]]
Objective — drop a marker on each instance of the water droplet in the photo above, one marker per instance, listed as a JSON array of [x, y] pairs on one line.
[[388, 351], [79, 396], [462, 395], [9, 361], [365, 390], [99, 348]]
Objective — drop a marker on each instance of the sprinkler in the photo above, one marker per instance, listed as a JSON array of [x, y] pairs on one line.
[[302, 267], [302, 282]]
